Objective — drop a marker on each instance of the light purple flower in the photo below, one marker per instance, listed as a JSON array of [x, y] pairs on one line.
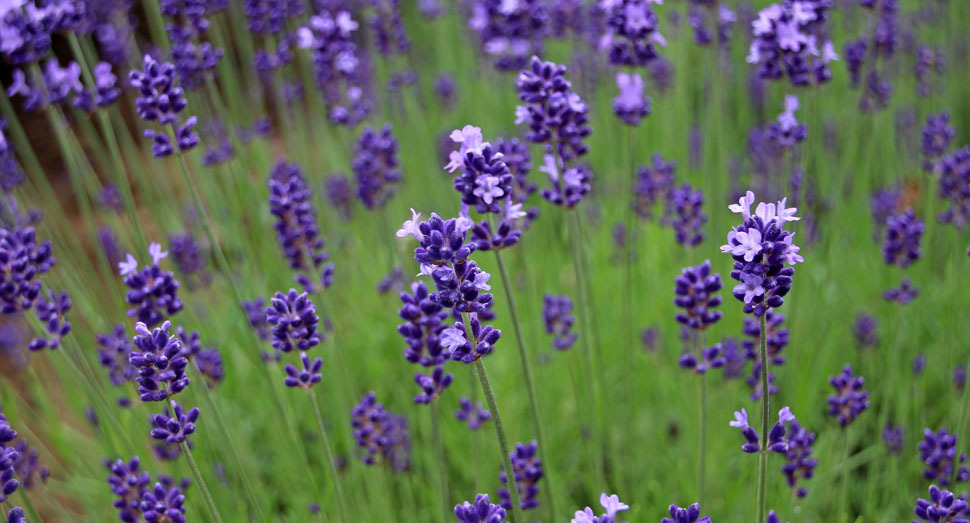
[[750, 286]]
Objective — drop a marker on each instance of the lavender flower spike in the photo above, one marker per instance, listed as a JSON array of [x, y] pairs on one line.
[[611, 503], [483, 511], [850, 400], [943, 506], [161, 101], [764, 254], [691, 514]]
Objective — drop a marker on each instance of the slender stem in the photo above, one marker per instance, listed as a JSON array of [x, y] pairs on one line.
[[440, 450], [843, 506], [333, 464], [233, 450], [29, 504], [964, 415], [765, 394], [591, 373], [517, 516], [702, 446], [213, 511], [529, 382]]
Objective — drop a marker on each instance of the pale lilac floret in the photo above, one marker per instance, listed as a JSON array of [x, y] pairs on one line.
[[787, 117], [489, 188], [750, 286], [743, 207], [749, 244], [156, 252], [481, 281], [410, 227], [612, 504], [453, 338], [128, 266], [740, 419]]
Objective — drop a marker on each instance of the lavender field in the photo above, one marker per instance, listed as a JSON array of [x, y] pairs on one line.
[[484, 261]]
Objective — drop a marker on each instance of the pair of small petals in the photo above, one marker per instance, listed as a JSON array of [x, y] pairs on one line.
[[306, 377]]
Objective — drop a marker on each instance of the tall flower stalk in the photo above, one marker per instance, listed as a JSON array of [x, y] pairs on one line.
[[460, 286], [764, 256]]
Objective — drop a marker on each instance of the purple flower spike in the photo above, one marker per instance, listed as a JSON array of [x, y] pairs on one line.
[[23, 260], [52, 313], [684, 212], [160, 361], [777, 441], [432, 386], [175, 427], [787, 132], [484, 179], [306, 377], [473, 413], [630, 105], [382, 436], [556, 115], [711, 358], [160, 101], [129, 483], [903, 294], [482, 511], [892, 436], [291, 202], [653, 183], [425, 321], [294, 320], [865, 330], [938, 451], [788, 42], [510, 32], [904, 232], [763, 254], [943, 506], [631, 32], [161, 504], [800, 464], [375, 165], [559, 320], [153, 293], [936, 136], [773, 518], [691, 514], [850, 400], [952, 186], [696, 289], [527, 471]]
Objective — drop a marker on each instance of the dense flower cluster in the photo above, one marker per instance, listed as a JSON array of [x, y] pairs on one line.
[[152, 292], [388, 29], [482, 511], [954, 186], [291, 202], [800, 465], [294, 320], [472, 413], [559, 320], [938, 451], [187, 26], [684, 212], [527, 470], [8, 457], [630, 105], [787, 132], [864, 330], [691, 514], [935, 139], [555, 114], [484, 180], [339, 68], [188, 257], [382, 436], [902, 294], [425, 320], [704, 14], [696, 289], [849, 399], [631, 34], [788, 42], [763, 254], [22, 260], [943, 506], [652, 184], [777, 440], [138, 500], [904, 232], [510, 32], [113, 350], [160, 100], [375, 166], [160, 361], [52, 313], [460, 285]]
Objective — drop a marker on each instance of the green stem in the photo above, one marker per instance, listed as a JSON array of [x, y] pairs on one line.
[[529, 382], [442, 469], [765, 394], [843, 505], [517, 516], [702, 447], [333, 464], [591, 373], [29, 504], [233, 450], [213, 511]]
